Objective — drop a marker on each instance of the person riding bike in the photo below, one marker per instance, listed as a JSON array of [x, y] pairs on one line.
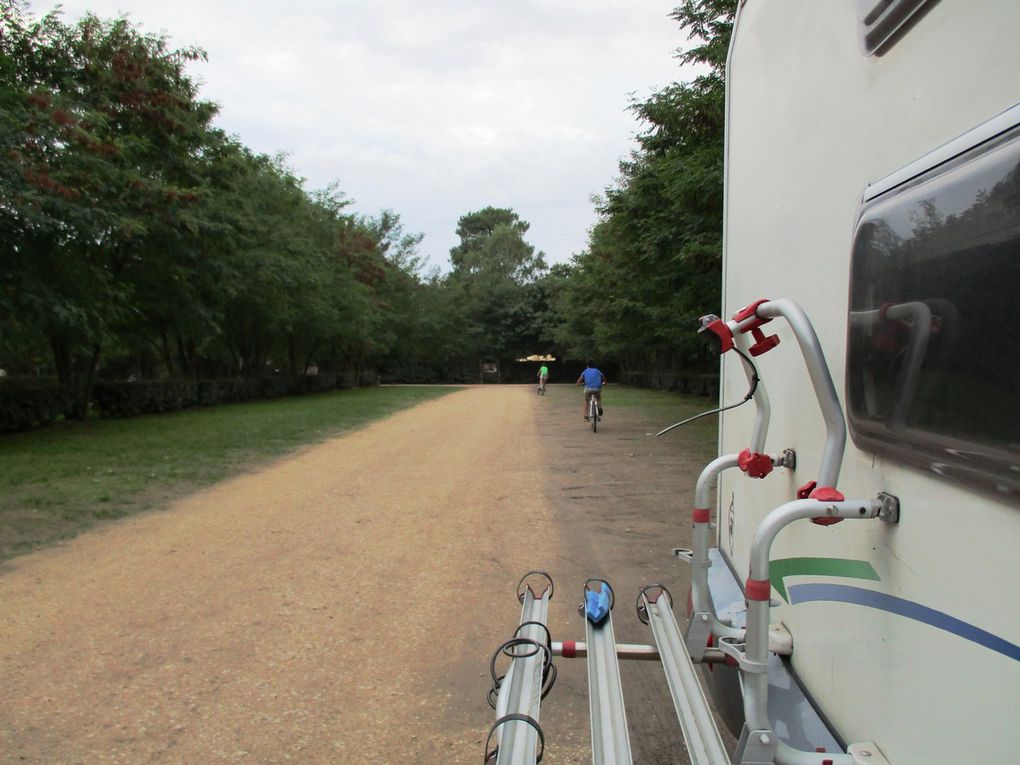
[[543, 377], [593, 381]]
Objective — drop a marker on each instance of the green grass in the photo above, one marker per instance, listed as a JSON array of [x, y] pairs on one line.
[[666, 408], [62, 479], [655, 410]]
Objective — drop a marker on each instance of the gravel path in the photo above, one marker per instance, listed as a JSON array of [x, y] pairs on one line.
[[339, 605]]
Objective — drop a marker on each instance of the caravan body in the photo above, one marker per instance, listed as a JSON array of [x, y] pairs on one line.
[[873, 178]]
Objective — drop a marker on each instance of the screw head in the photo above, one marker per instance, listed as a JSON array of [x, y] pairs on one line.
[[764, 739]]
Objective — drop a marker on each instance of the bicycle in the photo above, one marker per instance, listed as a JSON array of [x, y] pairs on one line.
[[595, 411]]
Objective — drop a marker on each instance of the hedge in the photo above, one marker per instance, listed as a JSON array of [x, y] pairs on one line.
[[691, 383], [422, 373], [25, 404]]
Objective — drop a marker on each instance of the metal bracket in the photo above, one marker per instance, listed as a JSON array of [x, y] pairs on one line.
[[684, 553], [788, 459], [756, 747], [699, 629], [734, 648], [890, 512]]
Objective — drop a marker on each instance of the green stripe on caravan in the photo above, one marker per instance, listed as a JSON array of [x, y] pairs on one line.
[[842, 567]]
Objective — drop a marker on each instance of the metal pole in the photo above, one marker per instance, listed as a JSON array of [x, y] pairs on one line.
[[825, 391], [758, 590]]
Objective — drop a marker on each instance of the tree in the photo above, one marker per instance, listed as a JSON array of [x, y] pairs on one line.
[[653, 260], [102, 172], [137, 240], [493, 281]]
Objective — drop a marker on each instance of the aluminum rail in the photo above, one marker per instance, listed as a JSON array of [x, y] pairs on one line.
[[573, 649], [521, 690], [701, 598], [702, 606], [610, 742], [762, 405], [753, 655], [701, 733], [821, 380]]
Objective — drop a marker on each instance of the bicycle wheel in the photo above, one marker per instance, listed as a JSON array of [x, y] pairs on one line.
[[593, 415]]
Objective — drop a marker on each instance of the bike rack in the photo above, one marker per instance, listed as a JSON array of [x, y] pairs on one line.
[[753, 648]]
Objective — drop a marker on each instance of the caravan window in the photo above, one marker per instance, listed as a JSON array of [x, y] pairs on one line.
[[933, 366]]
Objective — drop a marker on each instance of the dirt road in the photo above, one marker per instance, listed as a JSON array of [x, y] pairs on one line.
[[341, 605]]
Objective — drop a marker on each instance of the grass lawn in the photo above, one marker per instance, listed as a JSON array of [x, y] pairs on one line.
[[62, 479], [661, 409]]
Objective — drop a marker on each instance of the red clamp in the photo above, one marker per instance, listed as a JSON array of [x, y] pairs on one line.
[[755, 464], [826, 494], [747, 312], [762, 342], [719, 328], [805, 491]]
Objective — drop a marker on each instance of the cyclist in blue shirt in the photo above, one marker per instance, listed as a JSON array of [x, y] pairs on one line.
[[593, 381]]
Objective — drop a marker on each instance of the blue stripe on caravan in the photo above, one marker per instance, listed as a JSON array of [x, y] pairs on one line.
[[842, 593]]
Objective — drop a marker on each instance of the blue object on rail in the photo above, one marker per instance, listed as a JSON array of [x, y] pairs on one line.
[[596, 604]]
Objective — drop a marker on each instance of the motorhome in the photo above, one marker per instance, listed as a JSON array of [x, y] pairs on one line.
[[854, 566], [873, 179]]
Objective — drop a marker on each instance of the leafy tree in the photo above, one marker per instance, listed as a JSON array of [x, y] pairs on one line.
[[492, 281], [653, 260], [101, 168]]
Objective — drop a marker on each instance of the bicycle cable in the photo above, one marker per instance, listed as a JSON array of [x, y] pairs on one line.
[[755, 379]]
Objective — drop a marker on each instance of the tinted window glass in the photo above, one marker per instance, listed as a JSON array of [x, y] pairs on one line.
[[933, 368]]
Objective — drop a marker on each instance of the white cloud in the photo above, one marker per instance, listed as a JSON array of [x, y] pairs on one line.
[[432, 108]]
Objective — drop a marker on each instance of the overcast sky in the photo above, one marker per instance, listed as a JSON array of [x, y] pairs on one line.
[[432, 108]]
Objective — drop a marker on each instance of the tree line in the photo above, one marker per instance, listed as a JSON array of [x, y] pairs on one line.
[[139, 241], [654, 259]]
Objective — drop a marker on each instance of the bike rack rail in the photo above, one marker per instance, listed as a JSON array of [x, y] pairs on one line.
[[704, 741], [610, 742], [518, 694]]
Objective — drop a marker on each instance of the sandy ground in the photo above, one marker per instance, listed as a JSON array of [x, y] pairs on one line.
[[341, 605]]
